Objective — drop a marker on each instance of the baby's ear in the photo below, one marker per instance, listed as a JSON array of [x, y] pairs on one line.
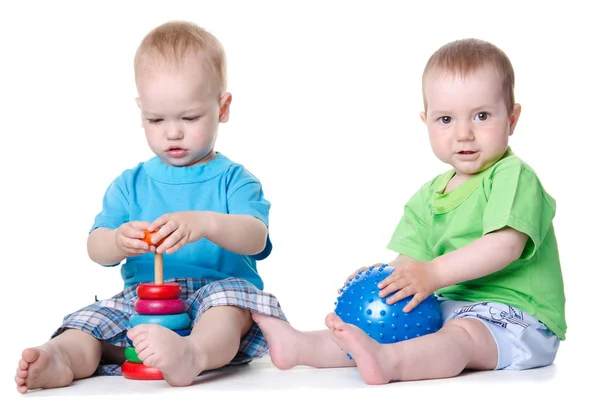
[[514, 117], [225, 104], [423, 117]]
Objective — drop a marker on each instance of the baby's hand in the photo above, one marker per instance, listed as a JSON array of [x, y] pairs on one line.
[[364, 268], [416, 278], [127, 238], [178, 229]]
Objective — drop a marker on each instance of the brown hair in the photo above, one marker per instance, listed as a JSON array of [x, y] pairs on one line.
[[176, 41], [464, 56]]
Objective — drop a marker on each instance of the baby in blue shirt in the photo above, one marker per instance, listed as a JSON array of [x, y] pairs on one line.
[[208, 213]]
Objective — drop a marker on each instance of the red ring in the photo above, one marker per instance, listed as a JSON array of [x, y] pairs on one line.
[[131, 370], [173, 306], [151, 291]]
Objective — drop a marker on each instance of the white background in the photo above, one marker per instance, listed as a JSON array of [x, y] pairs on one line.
[[325, 112]]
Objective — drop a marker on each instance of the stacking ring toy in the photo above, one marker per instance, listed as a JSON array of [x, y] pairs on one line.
[[131, 370], [174, 306], [183, 332], [131, 355], [170, 321], [151, 291], [180, 332]]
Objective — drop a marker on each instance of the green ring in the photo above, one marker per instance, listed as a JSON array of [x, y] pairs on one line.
[[131, 355]]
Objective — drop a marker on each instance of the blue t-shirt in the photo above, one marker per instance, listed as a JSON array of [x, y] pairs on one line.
[[152, 189]]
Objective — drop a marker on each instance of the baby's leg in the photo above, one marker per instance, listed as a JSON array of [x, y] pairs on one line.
[[71, 355], [289, 347], [459, 344], [213, 343]]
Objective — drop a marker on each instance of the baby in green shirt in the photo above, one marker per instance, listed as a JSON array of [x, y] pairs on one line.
[[480, 237]]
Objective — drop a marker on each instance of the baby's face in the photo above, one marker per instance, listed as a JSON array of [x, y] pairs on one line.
[[181, 111], [467, 119]]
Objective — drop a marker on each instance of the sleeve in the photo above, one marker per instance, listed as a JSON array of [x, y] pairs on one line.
[[115, 206], [517, 199], [410, 236], [245, 196]]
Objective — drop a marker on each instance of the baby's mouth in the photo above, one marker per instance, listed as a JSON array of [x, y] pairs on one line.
[[175, 151]]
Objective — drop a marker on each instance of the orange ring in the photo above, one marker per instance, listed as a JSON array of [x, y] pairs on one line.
[[148, 235]]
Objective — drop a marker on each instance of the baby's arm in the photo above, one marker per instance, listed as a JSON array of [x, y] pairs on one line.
[[102, 248], [241, 228], [482, 257], [238, 233], [110, 246], [401, 259]]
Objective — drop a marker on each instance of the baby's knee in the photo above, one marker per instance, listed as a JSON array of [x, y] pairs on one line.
[[472, 328], [477, 342]]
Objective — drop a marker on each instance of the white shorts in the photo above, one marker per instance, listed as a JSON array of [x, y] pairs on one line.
[[523, 341]]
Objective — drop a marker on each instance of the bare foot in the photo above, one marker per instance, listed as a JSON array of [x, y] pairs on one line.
[[282, 339], [370, 357], [42, 367], [178, 358]]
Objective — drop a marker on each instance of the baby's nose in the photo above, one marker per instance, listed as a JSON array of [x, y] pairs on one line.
[[464, 132], [174, 131]]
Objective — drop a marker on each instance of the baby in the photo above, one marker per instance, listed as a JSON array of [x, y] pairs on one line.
[[479, 236], [209, 210]]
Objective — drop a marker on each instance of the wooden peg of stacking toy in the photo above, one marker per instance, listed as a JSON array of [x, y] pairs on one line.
[[158, 258]]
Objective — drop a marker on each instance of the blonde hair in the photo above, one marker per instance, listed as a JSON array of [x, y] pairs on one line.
[[464, 56], [176, 41]]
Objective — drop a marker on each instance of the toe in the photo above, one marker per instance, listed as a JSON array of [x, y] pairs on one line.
[[22, 388], [138, 338], [143, 352], [30, 355], [138, 330], [329, 320], [150, 361], [140, 346], [132, 333], [337, 322]]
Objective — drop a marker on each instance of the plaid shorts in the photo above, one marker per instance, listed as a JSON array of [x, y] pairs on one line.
[[108, 320]]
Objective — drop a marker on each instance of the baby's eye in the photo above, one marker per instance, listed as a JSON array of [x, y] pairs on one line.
[[445, 120], [155, 121], [191, 119], [482, 116]]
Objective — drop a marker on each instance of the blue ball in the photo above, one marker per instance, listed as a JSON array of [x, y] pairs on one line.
[[360, 304]]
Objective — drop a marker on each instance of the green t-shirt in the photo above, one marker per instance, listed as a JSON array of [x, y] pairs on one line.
[[507, 194]]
